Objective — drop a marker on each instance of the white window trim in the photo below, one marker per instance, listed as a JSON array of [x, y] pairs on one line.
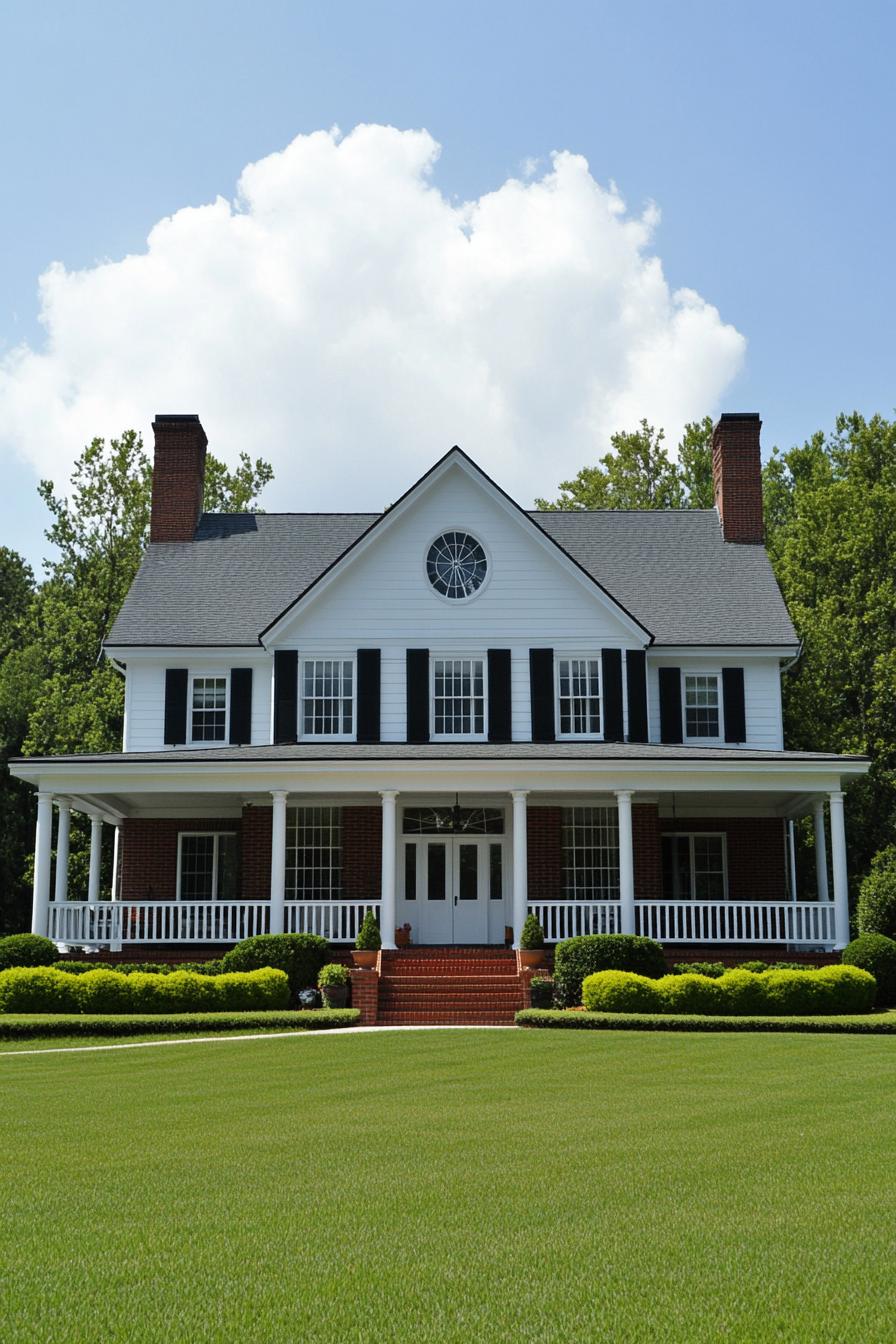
[[578, 737], [719, 739], [216, 836], [443, 597], [691, 836], [454, 656], [327, 658], [216, 675]]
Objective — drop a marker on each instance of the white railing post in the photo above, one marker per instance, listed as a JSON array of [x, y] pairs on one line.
[[838, 860], [387, 881], [278, 859], [43, 844], [821, 851], [626, 863], [96, 854], [60, 890], [520, 862], [116, 860]]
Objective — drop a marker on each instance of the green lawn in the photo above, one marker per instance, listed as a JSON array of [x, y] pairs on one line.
[[452, 1186]]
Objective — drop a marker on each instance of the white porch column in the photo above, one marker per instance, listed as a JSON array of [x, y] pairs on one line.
[[626, 863], [116, 854], [96, 854], [278, 859], [43, 842], [387, 882], [60, 890], [838, 858], [821, 851], [520, 862]]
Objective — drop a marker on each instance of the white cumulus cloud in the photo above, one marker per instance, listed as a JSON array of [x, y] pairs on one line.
[[345, 319]]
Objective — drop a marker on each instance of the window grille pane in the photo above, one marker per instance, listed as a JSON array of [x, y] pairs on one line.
[[313, 853], [197, 863], [328, 697], [435, 872], [578, 683], [228, 868], [701, 702], [458, 697], [709, 868], [590, 853], [676, 867], [454, 821], [410, 872], [209, 709], [495, 873]]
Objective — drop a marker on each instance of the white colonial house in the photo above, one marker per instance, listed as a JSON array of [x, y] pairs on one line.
[[456, 712]]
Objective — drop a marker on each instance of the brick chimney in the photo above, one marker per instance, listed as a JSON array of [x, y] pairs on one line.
[[178, 477], [737, 477]]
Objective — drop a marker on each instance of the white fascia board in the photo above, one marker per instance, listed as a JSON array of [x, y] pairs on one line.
[[723, 652], [182, 653], [453, 461]]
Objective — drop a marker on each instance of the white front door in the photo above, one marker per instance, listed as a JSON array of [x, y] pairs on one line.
[[452, 885]]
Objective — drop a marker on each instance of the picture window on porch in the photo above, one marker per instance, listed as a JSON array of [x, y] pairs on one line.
[[578, 697], [701, 705], [694, 867], [207, 866], [590, 841], [328, 697], [453, 821], [208, 702], [458, 696], [313, 853]]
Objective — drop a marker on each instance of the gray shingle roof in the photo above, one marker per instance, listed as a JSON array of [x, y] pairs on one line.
[[671, 570]]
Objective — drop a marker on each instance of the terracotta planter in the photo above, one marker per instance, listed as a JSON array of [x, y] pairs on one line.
[[536, 957], [335, 996], [367, 959], [402, 939]]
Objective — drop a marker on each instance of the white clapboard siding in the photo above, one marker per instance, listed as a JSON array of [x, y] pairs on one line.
[[762, 693]]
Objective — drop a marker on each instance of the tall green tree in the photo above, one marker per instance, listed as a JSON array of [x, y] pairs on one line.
[[16, 590], [639, 474]]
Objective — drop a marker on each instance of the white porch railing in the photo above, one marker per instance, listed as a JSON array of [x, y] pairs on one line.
[[98, 923], [570, 919], [337, 921], [694, 921]]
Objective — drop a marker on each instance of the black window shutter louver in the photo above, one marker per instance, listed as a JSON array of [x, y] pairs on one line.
[[368, 696], [240, 705], [541, 687], [418, 695], [286, 695], [499, 713], [733, 701], [670, 704], [611, 677], [636, 690], [175, 706]]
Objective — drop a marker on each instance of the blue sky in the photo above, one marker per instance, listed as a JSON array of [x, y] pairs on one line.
[[763, 133]]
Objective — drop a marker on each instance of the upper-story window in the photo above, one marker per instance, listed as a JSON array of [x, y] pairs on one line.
[[458, 697], [456, 565], [701, 705], [578, 697], [328, 697], [208, 713]]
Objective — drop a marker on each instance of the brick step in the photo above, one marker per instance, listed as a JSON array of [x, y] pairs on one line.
[[447, 981], [434, 995], [449, 970], [442, 1019]]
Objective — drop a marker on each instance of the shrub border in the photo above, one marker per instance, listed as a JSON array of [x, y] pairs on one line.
[[869, 1024], [34, 1025]]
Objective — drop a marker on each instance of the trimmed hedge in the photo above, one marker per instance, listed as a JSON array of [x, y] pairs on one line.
[[876, 953], [830, 990], [576, 958], [870, 1024], [141, 967], [26, 949], [300, 955], [37, 1027], [43, 989]]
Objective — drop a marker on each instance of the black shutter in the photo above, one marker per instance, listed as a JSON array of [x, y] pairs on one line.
[[636, 690], [240, 705], [733, 701], [286, 695], [541, 690], [499, 717], [368, 725], [611, 678], [418, 695], [175, 706], [670, 704]]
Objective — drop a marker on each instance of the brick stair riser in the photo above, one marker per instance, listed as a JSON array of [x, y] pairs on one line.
[[445, 1019]]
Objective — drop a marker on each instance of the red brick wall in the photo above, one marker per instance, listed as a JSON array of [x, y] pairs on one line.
[[544, 853], [646, 852], [737, 477], [757, 868], [255, 867], [149, 854], [362, 849]]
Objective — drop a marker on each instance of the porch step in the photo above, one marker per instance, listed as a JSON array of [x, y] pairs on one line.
[[452, 963], [434, 1018], [445, 986]]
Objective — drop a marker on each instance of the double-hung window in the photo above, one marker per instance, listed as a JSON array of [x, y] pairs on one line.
[[702, 710], [313, 853], [328, 697], [208, 709], [694, 867], [590, 840], [207, 866], [578, 697], [458, 697]]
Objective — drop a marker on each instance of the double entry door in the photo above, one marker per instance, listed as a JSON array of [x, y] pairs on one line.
[[454, 888]]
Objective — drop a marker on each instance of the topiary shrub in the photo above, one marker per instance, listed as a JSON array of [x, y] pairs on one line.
[[334, 973], [37, 989], [796, 994], [532, 935], [262, 989], [369, 938], [849, 988], [742, 989], [690, 994], [876, 910], [43, 989], [621, 992], [576, 958], [27, 949], [300, 955], [711, 968], [876, 953], [104, 992]]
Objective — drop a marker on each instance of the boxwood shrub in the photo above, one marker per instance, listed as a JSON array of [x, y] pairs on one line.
[[72, 967], [26, 949], [43, 989], [829, 991], [876, 953], [37, 989], [300, 955], [576, 958], [711, 968], [621, 992]]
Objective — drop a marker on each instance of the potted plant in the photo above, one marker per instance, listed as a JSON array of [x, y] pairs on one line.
[[403, 936], [531, 951], [368, 941], [333, 982]]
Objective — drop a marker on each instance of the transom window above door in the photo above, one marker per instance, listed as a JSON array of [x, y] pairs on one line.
[[458, 697], [701, 705], [453, 821], [578, 697], [328, 697], [456, 565], [208, 712]]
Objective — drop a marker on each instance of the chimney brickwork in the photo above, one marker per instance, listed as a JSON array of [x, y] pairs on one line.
[[737, 477], [178, 477]]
